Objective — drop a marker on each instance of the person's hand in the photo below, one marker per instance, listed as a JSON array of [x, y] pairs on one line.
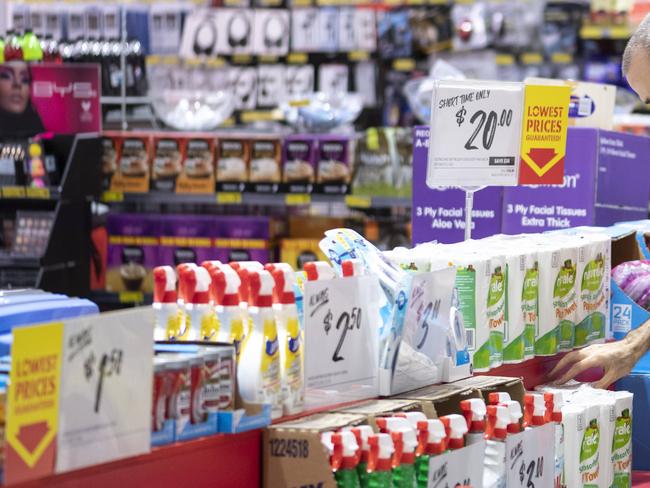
[[616, 358]]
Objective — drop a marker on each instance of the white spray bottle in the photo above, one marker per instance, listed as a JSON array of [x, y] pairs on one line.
[[534, 410], [289, 338], [168, 315], [244, 269], [183, 330], [455, 428], [259, 378], [225, 294], [319, 270], [496, 431], [474, 411], [199, 316]]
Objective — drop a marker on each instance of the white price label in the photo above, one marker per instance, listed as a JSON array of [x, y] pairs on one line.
[[475, 136], [452, 469], [530, 459], [106, 381], [341, 340]]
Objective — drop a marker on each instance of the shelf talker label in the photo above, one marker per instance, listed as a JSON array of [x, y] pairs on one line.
[[13, 192], [131, 297], [228, 197], [33, 402], [298, 199], [358, 201], [113, 196], [544, 134]]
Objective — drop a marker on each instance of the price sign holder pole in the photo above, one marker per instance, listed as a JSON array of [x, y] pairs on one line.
[[469, 206]]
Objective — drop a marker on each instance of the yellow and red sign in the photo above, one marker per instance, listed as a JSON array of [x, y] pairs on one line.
[[33, 402], [544, 133]]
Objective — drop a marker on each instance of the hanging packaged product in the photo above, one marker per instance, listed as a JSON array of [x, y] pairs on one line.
[[343, 450], [299, 163], [334, 170], [233, 160], [259, 380], [557, 298], [289, 338], [224, 294], [168, 315], [132, 172], [592, 315], [432, 441], [194, 282]]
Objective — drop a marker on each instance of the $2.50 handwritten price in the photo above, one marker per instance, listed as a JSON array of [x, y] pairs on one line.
[[108, 365], [346, 322]]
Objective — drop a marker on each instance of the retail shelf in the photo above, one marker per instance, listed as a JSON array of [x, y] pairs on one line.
[[125, 100], [117, 299], [276, 199], [12, 193], [605, 32], [225, 460]]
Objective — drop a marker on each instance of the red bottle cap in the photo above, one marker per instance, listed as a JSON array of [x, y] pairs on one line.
[[160, 292]]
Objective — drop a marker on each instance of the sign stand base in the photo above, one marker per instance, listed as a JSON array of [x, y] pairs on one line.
[[469, 206]]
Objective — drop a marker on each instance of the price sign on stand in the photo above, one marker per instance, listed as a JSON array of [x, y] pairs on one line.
[[475, 135], [529, 462], [341, 319], [426, 325], [105, 396], [452, 469]]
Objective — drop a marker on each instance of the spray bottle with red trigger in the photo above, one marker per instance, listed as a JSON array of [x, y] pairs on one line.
[[259, 381], [183, 330], [199, 316], [534, 410], [405, 443], [554, 402], [352, 267], [224, 292], [412, 417], [344, 457], [380, 461], [474, 411], [319, 270], [432, 441], [496, 431], [289, 337], [244, 270], [455, 428], [168, 315], [362, 434], [514, 410]]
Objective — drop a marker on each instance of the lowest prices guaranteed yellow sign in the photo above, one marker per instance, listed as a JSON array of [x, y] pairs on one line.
[[33, 402], [544, 133]]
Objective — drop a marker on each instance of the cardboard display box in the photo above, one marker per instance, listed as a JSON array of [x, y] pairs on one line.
[[293, 454], [387, 407]]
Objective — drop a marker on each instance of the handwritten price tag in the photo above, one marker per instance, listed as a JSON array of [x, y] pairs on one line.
[[475, 135], [452, 469], [106, 359], [341, 337], [529, 461]]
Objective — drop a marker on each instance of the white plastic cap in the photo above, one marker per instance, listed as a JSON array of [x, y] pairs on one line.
[[412, 417]]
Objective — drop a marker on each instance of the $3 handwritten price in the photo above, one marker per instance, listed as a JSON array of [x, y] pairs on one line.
[[530, 472], [346, 322], [109, 364], [487, 122]]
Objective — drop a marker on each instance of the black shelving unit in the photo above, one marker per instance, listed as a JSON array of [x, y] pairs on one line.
[[64, 266]]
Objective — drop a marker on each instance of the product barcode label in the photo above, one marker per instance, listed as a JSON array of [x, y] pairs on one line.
[[522, 263], [581, 255], [555, 260], [469, 338], [580, 422], [612, 414], [584, 107]]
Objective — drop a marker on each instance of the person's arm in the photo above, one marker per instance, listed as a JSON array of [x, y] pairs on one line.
[[616, 358]]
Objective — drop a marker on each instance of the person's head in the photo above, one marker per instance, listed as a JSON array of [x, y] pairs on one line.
[[14, 86]]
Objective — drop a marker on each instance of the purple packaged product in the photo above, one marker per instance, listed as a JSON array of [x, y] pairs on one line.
[[186, 239], [334, 170], [299, 164], [132, 252], [243, 239], [439, 215]]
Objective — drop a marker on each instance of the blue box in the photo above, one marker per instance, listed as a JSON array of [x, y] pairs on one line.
[[241, 420], [191, 431], [166, 435], [639, 384]]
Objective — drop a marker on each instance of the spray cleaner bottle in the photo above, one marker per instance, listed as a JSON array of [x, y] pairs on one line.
[[405, 443], [259, 380], [352, 267], [362, 433], [455, 429], [412, 417], [554, 401], [432, 441], [380, 461], [343, 449], [168, 315], [224, 292], [244, 270], [290, 339], [474, 411], [183, 330], [514, 410], [495, 474], [319, 270], [198, 313], [534, 410]]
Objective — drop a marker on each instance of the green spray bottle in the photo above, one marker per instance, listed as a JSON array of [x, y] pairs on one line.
[[405, 443], [380, 461], [343, 449], [362, 433], [432, 441]]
